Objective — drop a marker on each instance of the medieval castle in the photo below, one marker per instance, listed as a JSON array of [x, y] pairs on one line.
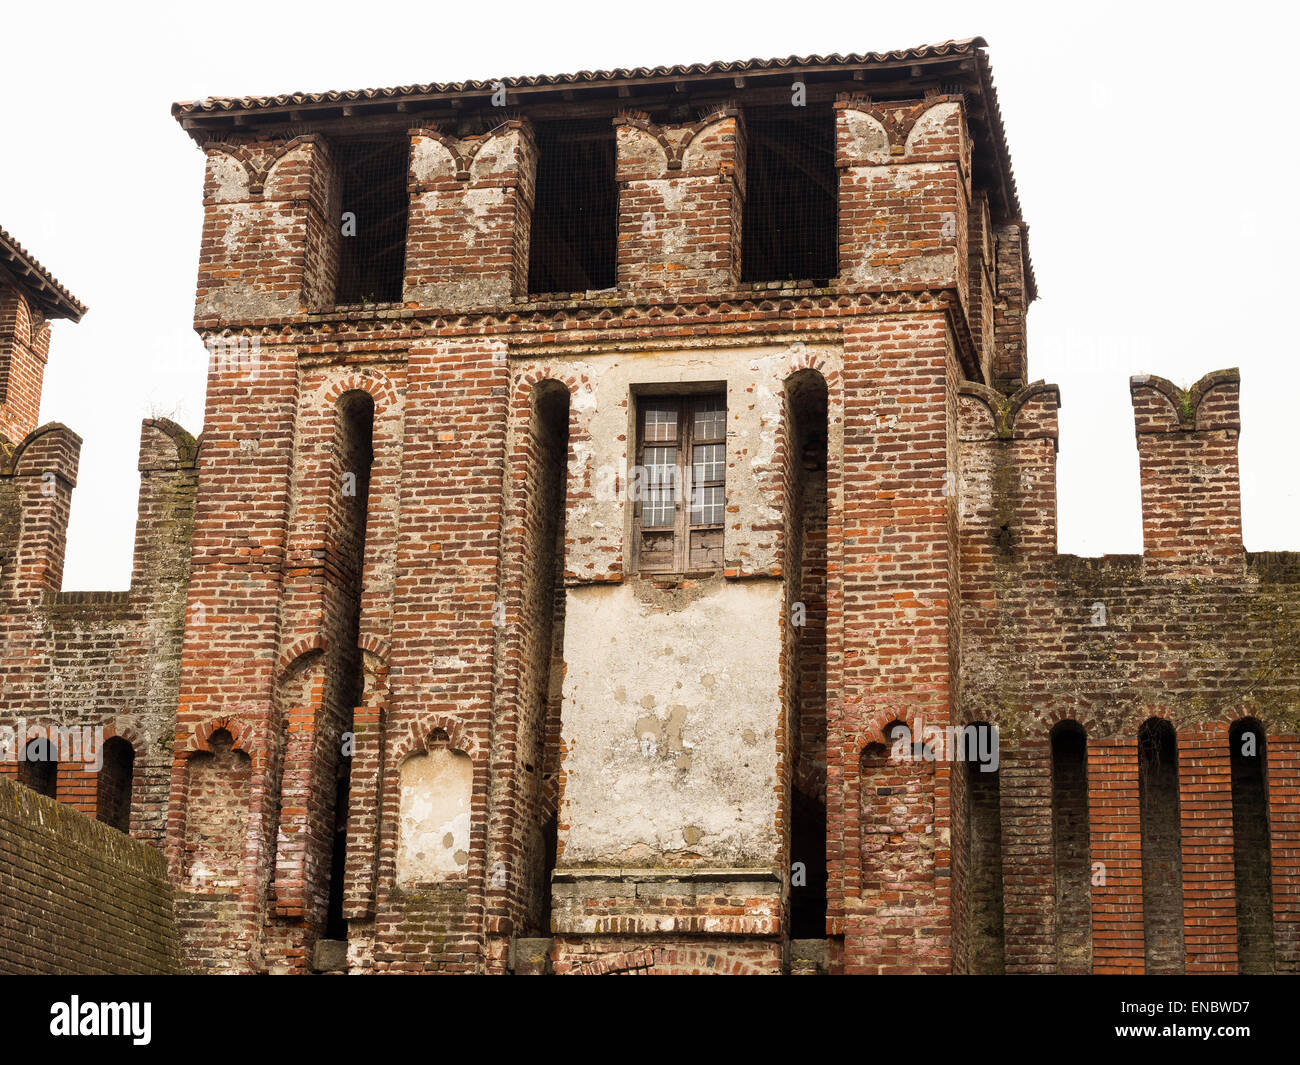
[[623, 539]]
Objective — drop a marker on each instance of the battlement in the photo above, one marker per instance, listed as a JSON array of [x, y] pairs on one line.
[[106, 662], [1187, 454]]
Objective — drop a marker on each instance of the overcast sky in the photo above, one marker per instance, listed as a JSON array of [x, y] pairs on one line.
[[1155, 151]]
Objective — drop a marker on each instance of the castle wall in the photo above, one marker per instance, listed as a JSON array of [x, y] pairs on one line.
[[427, 701], [106, 662], [76, 897], [1195, 632]]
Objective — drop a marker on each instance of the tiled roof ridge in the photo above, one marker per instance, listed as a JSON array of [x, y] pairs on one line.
[[210, 104]]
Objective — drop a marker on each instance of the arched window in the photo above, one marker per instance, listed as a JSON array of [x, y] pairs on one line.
[[1070, 848], [113, 788], [39, 768], [1251, 852], [1162, 859]]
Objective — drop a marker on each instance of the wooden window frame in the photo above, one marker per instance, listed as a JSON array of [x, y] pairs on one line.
[[682, 529]]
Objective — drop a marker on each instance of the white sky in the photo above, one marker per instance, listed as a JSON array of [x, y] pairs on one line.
[[1154, 150]]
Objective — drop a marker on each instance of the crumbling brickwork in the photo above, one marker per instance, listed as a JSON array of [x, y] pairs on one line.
[[434, 713]]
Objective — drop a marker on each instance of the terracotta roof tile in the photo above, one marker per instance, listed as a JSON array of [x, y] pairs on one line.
[[43, 288]]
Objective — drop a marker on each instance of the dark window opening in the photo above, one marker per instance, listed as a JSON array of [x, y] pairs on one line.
[[1162, 856], [113, 787], [1071, 848], [985, 904], [543, 645], [805, 633], [574, 239], [354, 432], [39, 769], [791, 219], [1252, 860], [373, 206]]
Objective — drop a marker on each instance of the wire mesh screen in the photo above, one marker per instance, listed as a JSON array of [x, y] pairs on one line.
[[574, 245], [791, 226], [373, 202]]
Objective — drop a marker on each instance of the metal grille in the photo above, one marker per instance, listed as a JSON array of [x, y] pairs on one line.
[[792, 203], [574, 244], [374, 204]]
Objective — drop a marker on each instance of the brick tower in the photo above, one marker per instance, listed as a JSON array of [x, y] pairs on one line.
[[625, 542]]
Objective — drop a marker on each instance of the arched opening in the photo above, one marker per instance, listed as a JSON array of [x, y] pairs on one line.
[[39, 768], [216, 815], [434, 792], [1071, 848], [113, 786], [1162, 858], [985, 911], [345, 683], [1251, 846], [542, 628], [895, 818], [806, 431]]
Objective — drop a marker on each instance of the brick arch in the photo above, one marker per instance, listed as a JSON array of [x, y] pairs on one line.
[[803, 358], [240, 154], [187, 446], [375, 384], [126, 732], [460, 165], [200, 736], [867, 139], [294, 655], [640, 122], [525, 383], [928, 120], [413, 739], [374, 666], [1083, 716], [16, 458], [873, 729], [695, 133], [263, 176], [631, 961], [473, 146]]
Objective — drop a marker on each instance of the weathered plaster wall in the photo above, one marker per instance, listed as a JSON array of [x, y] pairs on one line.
[[671, 705], [599, 531]]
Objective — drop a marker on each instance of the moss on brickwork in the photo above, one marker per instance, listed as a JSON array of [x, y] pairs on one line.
[[77, 896]]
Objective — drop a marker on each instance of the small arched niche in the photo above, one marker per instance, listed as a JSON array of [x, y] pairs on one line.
[[433, 816]]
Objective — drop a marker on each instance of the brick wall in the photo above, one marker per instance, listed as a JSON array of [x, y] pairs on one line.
[[97, 660], [78, 897], [1194, 637]]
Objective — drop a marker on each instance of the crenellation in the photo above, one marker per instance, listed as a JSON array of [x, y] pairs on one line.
[[594, 562]]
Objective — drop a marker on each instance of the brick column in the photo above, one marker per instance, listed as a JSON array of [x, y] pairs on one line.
[[1284, 829], [470, 217], [899, 604], [681, 193], [1209, 889], [1116, 831], [1191, 487], [1028, 873]]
